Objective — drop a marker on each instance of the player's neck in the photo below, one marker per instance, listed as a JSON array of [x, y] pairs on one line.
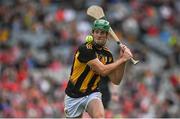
[[97, 46]]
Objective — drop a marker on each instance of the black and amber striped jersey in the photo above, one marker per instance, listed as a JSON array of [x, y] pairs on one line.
[[83, 80]]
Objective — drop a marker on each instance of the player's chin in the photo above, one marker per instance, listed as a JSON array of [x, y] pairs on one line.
[[100, 42]]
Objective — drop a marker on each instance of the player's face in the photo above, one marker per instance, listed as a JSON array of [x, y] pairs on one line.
[[100, 36]]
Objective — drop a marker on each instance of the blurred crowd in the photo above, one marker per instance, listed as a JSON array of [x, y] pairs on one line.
[[39, 37]]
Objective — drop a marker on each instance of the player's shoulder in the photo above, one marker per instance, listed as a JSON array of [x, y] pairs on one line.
[[107, 50], [86, 46]]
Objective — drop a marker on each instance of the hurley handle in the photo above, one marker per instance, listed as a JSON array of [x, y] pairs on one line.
[[132, 59]]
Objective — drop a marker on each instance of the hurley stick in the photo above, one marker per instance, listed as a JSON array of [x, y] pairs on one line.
[[97, 13]]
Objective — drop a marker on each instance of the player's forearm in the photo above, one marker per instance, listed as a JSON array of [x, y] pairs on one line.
[[102, 69], [107, 69]]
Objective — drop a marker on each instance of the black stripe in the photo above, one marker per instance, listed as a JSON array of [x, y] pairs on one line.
[[73, 64], [90, 84], [82, 77]]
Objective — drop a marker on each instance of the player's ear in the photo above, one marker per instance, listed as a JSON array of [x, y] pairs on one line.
[[107, 33], [109, 36]]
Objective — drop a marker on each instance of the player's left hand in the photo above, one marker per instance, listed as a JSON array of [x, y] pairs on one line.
[[125, 52]]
